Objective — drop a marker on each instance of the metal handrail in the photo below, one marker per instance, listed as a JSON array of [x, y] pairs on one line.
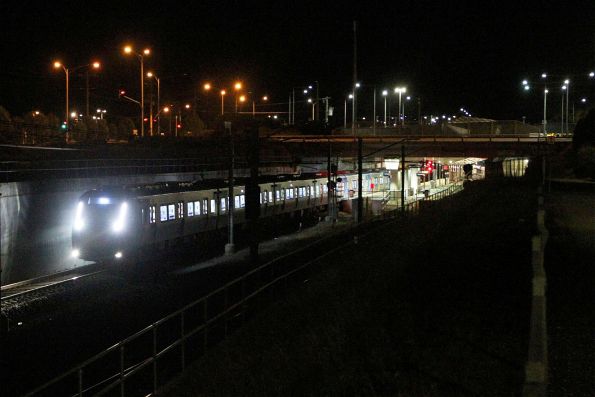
[[120, 378]]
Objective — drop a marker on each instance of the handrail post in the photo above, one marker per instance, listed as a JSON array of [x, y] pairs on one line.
[[205, 324], [225, 309], [154, 358], [122, 371], [80, 382], [183, 334]]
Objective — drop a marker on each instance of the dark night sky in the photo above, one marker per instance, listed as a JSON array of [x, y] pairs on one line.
[[451, 54]]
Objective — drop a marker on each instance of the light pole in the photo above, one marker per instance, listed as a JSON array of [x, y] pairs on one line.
[[222, 101], [345, 111], [207, 88], [384, 94], [545, 91], [564, 90], [95, 65], [58, 65], [313, 107], [567, 84], [237, 87], [154, 76], [400, 90], [128, 50]]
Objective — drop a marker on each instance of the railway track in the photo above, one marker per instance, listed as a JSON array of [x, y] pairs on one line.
[[41, 286]]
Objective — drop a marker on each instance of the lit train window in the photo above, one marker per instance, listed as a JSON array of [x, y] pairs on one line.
[[213, 209], [205, 206], [171, 212], [325, 188], [354, 184], [196, 208], [181, 209], [277, 195], [236, 201], [190, 209], [152, 214], [163, 213], [270, 197], [223, 204], [242, 201]]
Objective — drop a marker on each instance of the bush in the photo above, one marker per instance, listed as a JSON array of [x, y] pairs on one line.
[[584, 165]]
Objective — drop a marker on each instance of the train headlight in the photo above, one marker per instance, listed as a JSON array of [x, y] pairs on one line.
[[118, 225], [79, 223], [75, 253], [118, 255]]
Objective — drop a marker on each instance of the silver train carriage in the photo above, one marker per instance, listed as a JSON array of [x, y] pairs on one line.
[[116, 222]]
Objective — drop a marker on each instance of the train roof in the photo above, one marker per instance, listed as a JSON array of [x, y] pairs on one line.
[[206, 184], [175, 187]]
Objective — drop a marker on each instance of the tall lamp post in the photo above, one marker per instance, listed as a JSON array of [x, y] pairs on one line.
[[237, 87], [153, 76], [345, 111], [400, 90], [567, 85], [207, 88], [527, 87], [384, 94], [58, 65], [128, 50], [222, 101]]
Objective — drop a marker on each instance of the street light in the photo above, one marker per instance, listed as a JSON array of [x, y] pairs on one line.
[[101, 112], [237, 87], [58, 65], [345, 111], [564, 90], [222, 104], [567, 84], [154, 76], [128, 50], [526, 86], [400, 90], [384, 94]]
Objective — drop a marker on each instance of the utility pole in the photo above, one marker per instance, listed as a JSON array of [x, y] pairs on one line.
[[354, 115], [229, 247], [403, 179], [360, 183]]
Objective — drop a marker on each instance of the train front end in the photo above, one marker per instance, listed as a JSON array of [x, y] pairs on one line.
[[103, 226]]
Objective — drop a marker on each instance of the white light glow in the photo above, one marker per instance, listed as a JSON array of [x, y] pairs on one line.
[[118, 254], [103, 200], [119, 223], [79, 224], [75, 253]]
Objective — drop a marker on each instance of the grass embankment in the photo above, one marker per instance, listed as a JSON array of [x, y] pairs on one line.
[[437, 305]]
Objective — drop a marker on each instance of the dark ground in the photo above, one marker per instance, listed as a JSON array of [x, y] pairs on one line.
[[569, 264], [433, 306]]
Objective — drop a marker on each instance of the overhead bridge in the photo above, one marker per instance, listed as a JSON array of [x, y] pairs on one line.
[[487, 146]]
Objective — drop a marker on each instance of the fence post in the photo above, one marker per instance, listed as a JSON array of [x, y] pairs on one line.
[[206, 326], [80, 382], [122, 371], [154, 358], [225, 309], [183, 334]]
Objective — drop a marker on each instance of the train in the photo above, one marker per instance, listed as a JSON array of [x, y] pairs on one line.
[[116, 222]]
